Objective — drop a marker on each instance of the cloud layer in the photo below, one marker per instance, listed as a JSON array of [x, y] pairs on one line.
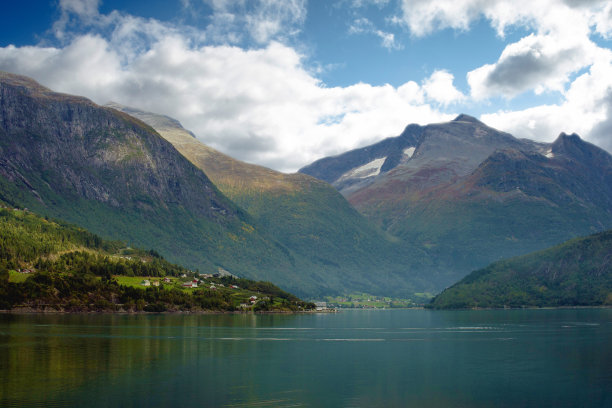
[[558, 55], [261, 105], [261, 102]]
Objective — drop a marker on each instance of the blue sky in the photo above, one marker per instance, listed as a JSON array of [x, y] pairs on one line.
[[284, 82]]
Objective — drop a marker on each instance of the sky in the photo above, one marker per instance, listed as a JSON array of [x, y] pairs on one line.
[[282, 83]]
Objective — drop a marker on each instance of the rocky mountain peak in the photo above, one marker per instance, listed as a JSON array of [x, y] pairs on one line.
[[156, 121], [467, 118], [573, 147], [565, 138]]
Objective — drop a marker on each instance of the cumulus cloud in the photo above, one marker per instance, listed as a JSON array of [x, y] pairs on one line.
[[423, 16], [558, 46], [261, 104], [439, 88], [586, 110], [536, 62]]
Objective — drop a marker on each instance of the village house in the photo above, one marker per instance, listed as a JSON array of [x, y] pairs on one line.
[[145, 282], [155, 283], [166, 280], [320, 306]]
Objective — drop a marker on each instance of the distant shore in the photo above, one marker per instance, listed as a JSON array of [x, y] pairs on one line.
[[167, 312]]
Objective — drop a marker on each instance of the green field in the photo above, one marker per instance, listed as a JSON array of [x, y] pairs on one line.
[[135, 281], [17, 277], [365, 300]]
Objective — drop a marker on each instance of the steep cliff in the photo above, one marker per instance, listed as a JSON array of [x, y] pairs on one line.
[[66, 157]]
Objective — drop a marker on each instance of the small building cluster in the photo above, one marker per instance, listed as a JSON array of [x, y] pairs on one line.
[[191, 284]]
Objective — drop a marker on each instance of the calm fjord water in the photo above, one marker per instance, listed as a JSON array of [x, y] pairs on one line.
[[391, 358]]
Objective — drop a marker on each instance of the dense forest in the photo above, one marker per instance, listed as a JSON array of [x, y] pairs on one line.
[[575, 273], [47, 265]]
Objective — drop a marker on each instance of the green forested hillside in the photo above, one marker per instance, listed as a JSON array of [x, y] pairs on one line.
[[328, 241], [47, 265], [575, 273], [65, 157]]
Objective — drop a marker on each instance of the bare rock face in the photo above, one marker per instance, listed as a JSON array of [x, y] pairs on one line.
[[95, 153]]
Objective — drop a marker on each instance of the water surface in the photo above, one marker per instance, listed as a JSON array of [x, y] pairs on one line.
[[376, 358]]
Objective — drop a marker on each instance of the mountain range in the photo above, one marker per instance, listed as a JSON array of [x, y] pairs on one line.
[[469, 195], [66, 157], [407, 215], [311, 219]]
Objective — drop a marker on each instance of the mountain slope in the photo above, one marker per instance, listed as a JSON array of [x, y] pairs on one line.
[[66, 157], [324, 234], [48, 265], [575, 273], [469, 194]]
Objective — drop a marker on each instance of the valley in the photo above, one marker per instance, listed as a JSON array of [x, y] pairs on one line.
[[401, 219]]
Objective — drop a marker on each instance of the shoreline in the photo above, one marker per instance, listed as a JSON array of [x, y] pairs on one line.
[[26, 311], [521, 308]]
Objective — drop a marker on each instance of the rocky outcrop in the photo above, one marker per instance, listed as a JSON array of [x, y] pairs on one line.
[[95, 153]]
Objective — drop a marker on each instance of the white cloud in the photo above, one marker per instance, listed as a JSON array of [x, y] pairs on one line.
[[364, 26], [558, 46], [263, 20], [586, 110], [265, 106], [365, 3], [439, 88], [260, 105], [536, 62], [75, 11], [423, 17], [83, 8]]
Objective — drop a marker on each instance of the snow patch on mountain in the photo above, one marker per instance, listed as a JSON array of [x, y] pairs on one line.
[[409, 151], [370, 169]]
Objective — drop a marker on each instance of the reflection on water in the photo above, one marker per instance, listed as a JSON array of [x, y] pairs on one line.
[[354, 358]]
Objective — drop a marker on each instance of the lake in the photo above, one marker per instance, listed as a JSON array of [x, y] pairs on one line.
[[355, 358]]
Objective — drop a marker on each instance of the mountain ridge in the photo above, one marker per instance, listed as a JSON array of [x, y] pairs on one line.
[[575, 273], [68, 158], [469, 194], [309, 216]]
